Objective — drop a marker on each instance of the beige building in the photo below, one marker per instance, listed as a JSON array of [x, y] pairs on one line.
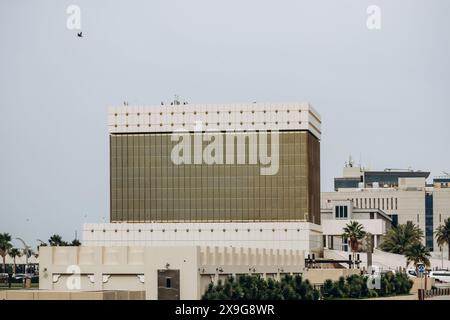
[[340, 212], [162, 272], [404, 195]]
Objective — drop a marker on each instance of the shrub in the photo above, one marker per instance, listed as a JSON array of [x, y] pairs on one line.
[[247, 287]]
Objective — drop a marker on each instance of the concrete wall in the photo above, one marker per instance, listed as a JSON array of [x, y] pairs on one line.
[[318, 276], [272, 235], [67, 295], [441, 212], [336, 227]]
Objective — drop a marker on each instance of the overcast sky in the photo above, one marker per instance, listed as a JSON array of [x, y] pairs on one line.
[[383, 94]]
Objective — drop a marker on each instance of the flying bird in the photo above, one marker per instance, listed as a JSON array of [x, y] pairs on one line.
[[80, 34]]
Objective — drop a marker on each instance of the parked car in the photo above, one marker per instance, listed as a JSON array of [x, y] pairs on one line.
[[442, 276], [412, 273], [20, 276]]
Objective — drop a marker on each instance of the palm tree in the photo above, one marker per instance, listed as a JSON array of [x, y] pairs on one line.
[[5, 245], [56, 240], [13, 253], [397, 239], [354, 232], [443, 235], [417, 253]]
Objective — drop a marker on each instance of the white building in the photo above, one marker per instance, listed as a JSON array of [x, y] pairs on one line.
[[339, 213], [168, 273], [404, 195]]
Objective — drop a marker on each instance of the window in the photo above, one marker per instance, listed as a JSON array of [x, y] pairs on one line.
[[344, 244], [394, 219], [341, 212], [168, 283], [372, 215]]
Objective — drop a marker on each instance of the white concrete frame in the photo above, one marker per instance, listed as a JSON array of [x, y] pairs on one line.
[[223, 117]]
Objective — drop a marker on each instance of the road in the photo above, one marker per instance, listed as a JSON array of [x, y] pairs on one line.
[[440, 298]]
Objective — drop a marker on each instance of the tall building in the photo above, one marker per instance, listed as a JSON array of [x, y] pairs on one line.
[[403, 194], [240, 174]]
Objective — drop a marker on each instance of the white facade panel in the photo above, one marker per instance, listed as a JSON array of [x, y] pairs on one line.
[[254, 116], [276, 235]]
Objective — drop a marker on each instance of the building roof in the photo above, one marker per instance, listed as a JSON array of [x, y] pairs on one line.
[[361, 210], [399, 173]]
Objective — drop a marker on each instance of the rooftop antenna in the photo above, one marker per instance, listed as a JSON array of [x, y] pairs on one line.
[[176, 100], [349, 163], [360, 160]]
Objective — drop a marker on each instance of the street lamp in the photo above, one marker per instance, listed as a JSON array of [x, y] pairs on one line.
[[27, 252]]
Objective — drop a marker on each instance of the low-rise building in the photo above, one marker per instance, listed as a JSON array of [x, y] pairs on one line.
[[340, 213], [403, 195]]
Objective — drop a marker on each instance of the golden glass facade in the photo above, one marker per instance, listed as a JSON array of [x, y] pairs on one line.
[[146, 186]]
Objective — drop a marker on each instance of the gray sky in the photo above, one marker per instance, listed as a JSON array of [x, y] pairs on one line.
[[383, 95]]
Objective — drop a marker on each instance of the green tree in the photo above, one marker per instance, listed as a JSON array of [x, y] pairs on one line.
[[443, 235], [397, 239], [56, 240], [5, 245], [417, 253], [76, 243], [250, 287], [13, 253], [354, 233]]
